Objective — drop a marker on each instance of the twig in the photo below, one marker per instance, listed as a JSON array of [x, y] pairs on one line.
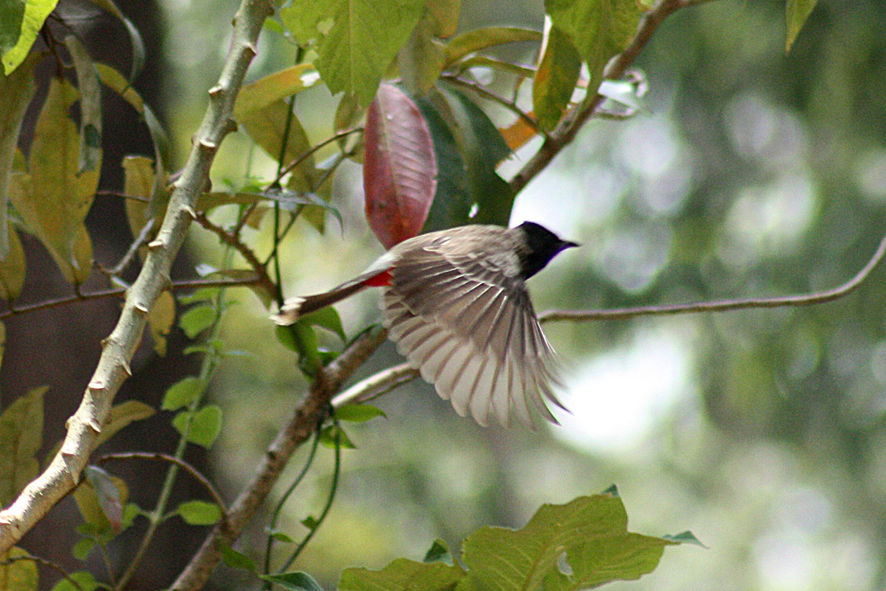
[[724, 305], [488, 94], [56, 567], [120, 292], [567, 129], [140, 455], [84, 427], [376, 385], [233, 240], [133, 249], [297, 431], [313, 150]]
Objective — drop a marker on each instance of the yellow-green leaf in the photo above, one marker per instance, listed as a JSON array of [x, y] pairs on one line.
[[797, 11], [34, 16], [20, 575], [12, 270], [21, 435], [555, 78], [421, 58], [479, 39], [16, 91], [90, 506], [54, 199], [121, 415], [271, 88], [160, 320]]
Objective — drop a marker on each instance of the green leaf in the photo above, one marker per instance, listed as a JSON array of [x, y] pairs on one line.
[[108, 496], [21, 435], [686, 537], [197, 319], [205, 425], [332, 435], [90, 106], [199, 512], [84, 579], [273, 87], [452, 201], [555, 79], [403, 574], [295, 581], [438, 552], [160, 320], [480, 39], [183, 393], [797, 11], [55, 197], [16, 91], [82, 548], [11, 14], [20, 575], [358, 413], [32, 20], [421, 59], [592, 531], [353, 55], [326, 318], [12, 270], [599, 29], [234, 559], [279, 536], [483, 147]]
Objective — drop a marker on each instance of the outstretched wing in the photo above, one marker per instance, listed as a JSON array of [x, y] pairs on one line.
[[467, 323]]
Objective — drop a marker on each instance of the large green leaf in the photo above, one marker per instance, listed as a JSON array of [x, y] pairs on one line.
[[589, 534], [797, 11], [54, 198], [35, 13], [555, 79], [599, 29], [16, 91], [483, 148], [355, 39], [21, 435]]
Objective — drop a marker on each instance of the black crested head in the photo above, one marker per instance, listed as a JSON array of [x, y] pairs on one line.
[[541, 246]]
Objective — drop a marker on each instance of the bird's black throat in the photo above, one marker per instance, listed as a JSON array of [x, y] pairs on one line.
[[541, 246]]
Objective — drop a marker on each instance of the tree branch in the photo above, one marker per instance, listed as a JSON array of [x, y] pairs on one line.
[[307, 417], [820, 297], [569, 127], [86, 424], [376, 385]]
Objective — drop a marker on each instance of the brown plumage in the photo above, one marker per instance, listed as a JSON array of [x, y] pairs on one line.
[[456, 305]]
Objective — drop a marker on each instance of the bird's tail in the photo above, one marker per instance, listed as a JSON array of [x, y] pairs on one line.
[[295, 308]]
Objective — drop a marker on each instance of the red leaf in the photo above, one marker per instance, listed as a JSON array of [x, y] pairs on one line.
[[399, 167]]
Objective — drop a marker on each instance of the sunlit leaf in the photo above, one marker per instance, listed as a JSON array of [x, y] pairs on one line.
[[160, 320], [122, 415], [358, 413], [136, 43], [400, 167], [90, 106], [54, 199], [34, 16], [295, 581], [183, 392], [21, 435], [197, 319], [403, 575], [84, 579], [482, 149], [16, 91], [480, 39], [205, 425], [20, 575], [598, 29], [261, 93], [797, 11], [555, 78], [353, 54], [108, 496], [199, 512]]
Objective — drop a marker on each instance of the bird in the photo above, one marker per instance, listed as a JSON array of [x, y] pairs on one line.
[[455, 304]]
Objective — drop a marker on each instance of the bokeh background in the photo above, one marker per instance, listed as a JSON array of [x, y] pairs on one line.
[[756, 173]]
